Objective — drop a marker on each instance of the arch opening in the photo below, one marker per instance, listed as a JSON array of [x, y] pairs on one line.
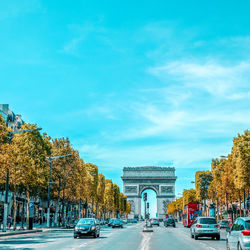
[[151, 211]]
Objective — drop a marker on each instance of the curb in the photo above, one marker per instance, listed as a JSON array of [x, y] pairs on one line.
[[21, 232]]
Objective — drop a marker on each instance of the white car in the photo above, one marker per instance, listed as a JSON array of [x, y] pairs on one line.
[[205, 227], [238, 236]]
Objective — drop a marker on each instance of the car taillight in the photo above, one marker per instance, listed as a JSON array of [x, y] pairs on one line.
[[198, 225], [246, 232], [92, 228], [218, 226]]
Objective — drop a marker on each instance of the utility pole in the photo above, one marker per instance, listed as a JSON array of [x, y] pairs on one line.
[[145, 208], [6, 201], [50, 158]]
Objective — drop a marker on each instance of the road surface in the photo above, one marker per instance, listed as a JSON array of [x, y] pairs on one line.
[[130, 237]]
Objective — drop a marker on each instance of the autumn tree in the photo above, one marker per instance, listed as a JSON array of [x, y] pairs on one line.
[[109, 196], [241, 162], [202, 182], [31, 152], [100, 193]]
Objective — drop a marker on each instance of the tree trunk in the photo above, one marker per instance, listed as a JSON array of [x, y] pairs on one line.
[[15, 208], [58, 205], [240, 202], [63, 217], [27, 208]]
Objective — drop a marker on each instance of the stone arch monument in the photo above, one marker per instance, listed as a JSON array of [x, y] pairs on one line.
[[160, 179]]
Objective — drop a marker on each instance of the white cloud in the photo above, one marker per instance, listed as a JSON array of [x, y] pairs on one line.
[[212, 77]]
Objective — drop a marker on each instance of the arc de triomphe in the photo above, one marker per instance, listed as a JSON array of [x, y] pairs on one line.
[[160, 179]]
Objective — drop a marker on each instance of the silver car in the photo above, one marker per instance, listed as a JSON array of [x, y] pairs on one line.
[[205, 227], [238, 236]]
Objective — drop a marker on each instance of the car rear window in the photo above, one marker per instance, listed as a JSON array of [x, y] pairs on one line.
[[207, 221], [247, 224], [170, 220]]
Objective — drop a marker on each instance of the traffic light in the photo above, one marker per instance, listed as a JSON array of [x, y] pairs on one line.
[[145, 197], [147, 204]]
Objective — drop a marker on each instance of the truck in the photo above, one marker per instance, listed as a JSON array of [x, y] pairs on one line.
[[190, 212]]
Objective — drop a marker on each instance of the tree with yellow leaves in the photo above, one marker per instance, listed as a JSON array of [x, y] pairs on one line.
[[31, 152], [109, 197]]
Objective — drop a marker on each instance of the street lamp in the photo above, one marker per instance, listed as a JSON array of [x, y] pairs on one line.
[[51, 158], [6, 203]]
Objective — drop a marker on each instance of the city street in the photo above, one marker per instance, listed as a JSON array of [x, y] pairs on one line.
[[130, 237]]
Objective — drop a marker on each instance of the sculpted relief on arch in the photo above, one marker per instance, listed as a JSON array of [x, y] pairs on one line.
[[154, 187]]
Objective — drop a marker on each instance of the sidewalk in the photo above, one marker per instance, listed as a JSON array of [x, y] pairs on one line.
[[37, 228]]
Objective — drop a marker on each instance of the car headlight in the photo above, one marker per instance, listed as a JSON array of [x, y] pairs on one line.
[[92, 228], [76, 228]]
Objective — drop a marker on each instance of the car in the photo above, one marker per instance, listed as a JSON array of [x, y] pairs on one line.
[[134, 221], [169, 222], [205, 227], [155, 222], [117, 223], [71, 224], [238, 236], [87, 227], [102, 222], [223, 223], [110, 221], [124, 221]]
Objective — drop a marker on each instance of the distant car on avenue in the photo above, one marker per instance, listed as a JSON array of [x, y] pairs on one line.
[[238, 236], [169, 222], [205, 227], [87, 227], [155, 222], [110, 222], [71, 223], [223, 223], [134, 221], [117, 223]]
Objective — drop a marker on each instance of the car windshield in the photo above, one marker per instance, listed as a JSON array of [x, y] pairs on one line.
[[85, 222], [247, 224], [117, 221], [207, 221], [170, 220], [224, 222]]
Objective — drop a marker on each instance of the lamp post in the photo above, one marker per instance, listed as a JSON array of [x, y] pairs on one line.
[[51, 158], [6, 202]]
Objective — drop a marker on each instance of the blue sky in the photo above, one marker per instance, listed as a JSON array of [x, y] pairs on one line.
[[130, 83]]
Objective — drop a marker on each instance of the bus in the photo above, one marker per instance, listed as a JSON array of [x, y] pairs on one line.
[[190, 212]]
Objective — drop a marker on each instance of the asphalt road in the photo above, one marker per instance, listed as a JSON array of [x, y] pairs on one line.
[[130, 237]]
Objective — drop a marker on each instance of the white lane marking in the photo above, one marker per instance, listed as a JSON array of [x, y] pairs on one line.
[[146, 237]]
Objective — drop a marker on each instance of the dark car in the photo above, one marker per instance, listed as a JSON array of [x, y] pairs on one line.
[[155, 222], [71, 223], [169, 222], [87, 227], [117, 223], [224, 223]]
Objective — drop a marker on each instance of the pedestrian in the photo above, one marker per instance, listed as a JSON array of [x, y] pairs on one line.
[[9, 221], [40, 220]]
